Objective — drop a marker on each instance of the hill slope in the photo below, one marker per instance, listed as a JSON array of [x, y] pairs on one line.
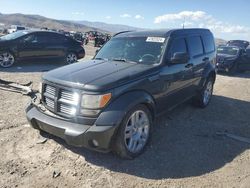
[[36, 21]]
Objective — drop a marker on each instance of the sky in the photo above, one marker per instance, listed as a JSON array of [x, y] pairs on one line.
[[226, 19]]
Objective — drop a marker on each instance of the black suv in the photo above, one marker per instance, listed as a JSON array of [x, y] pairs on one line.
[[30, 45], [110, 102], [233, 59]]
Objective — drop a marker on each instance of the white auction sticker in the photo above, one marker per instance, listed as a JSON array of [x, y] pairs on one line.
[[155, 39]]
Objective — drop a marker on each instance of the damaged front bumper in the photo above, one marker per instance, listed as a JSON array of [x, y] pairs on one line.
[[90, 136]]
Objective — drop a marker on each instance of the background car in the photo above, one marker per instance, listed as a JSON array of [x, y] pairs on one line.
[[239, 43], [25, 45], [233, 59]]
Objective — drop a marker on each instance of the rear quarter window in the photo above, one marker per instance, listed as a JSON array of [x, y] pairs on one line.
[[208, 42], [195, 46]]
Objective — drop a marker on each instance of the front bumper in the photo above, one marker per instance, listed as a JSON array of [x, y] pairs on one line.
[[73, 133], [224, 66]]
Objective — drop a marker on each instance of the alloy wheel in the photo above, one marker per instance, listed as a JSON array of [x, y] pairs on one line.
[[208, 92], [71, 58], [6, 60], [137, 131]]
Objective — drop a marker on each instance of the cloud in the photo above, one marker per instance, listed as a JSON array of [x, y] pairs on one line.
[[108, 17], [138, 17], [125, 16], [202, 20], [77, 13], [188, 15]]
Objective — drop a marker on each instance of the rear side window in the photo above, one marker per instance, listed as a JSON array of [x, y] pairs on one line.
[[208, 42], [56, 38], [195, 46], [178, 45]]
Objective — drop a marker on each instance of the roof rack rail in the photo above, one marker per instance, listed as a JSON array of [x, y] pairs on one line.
[[121, 32]]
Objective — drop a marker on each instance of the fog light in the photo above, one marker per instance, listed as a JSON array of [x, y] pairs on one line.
[[89, 112], [95, 143]]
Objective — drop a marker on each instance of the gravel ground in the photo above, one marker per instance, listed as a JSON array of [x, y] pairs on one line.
[[184, 151]]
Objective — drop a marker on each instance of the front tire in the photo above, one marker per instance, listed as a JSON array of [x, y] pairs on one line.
[[133, 133], [7, 59]]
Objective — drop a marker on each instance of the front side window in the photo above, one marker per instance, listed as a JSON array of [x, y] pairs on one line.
[[14, 35], [195, 46], [178, 45], [147, 50]]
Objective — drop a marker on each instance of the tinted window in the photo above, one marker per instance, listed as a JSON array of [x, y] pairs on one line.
[[195, 46], [178, 45], [56, 38], [208, 42], [248, 52]]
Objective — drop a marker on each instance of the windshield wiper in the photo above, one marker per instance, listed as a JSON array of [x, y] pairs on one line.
[[100, 58], [119, 59]]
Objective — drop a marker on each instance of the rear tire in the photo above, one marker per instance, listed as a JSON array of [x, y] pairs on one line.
[[133, 133], [71, 57], [7, 59], [204, 96], [233, 69]]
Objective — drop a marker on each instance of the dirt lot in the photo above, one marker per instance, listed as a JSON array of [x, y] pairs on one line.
[[185, 150]]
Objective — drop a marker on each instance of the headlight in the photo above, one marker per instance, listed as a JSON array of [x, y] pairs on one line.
[[230, 59], [95, 101], [40, 87]]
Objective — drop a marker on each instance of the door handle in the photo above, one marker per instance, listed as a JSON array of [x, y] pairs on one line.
[[205, 59], [154, 78], [189, 65]]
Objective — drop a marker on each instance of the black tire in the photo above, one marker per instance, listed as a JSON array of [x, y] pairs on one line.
[[120, 143], [200, 100], [233, 69], [7, 59], [70, 58]]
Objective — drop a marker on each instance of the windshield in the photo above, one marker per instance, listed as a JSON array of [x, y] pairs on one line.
[[14, 35], [147, 50], [228, 50]]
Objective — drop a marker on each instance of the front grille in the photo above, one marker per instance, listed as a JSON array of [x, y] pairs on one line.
[[59, 100]]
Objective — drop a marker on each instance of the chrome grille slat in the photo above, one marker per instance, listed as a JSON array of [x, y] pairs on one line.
[[67, 95], [50, 90], [50, 103], [65, 109]]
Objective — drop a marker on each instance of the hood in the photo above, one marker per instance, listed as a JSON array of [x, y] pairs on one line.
[[226, 56], [96, 75], [4, 42]]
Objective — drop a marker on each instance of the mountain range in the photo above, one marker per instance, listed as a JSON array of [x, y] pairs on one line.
[[37, 21]]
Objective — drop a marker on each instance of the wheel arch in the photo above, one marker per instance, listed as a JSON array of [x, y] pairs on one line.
[[117, 109]]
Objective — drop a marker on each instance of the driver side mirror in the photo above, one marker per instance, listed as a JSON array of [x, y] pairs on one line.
[[180, 58]]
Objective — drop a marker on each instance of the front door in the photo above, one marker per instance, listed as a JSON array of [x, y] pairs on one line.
[[176, 78]]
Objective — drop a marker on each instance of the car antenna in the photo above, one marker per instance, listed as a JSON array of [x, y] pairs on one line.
[[183, 25]]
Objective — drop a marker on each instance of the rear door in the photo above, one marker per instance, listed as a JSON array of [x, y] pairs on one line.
[[197, 59], [244, 64], [55, 45]]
